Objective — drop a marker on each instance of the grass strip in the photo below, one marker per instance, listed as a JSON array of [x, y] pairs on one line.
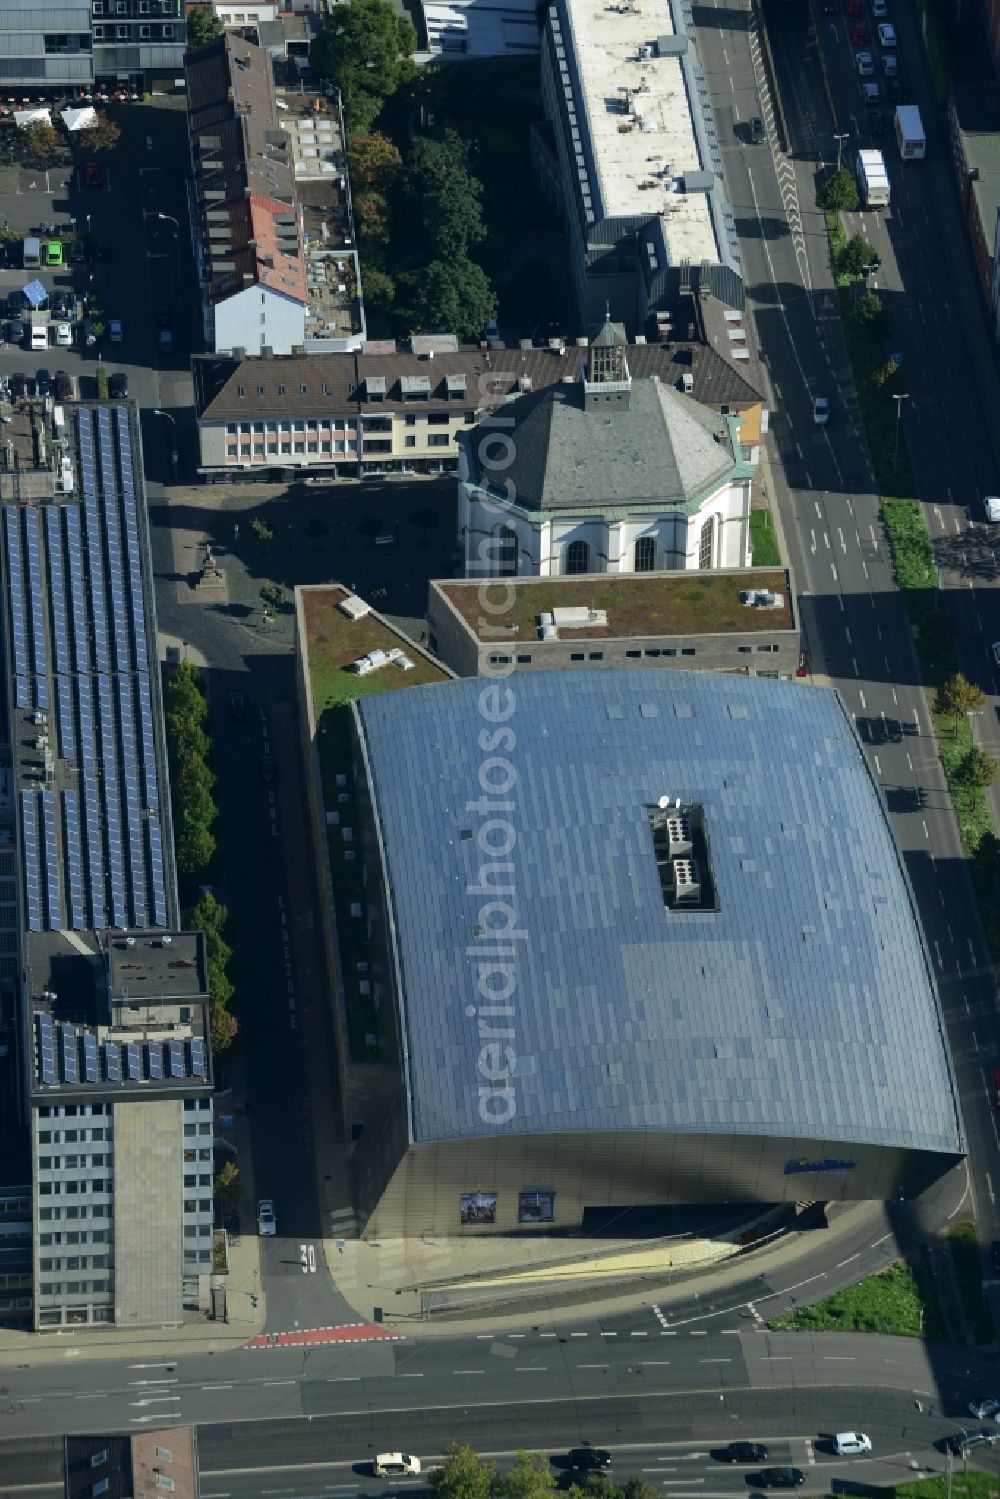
[[900, 1301], [763, 542]]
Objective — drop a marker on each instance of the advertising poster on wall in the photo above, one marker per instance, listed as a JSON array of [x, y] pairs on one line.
[[478, 1207]]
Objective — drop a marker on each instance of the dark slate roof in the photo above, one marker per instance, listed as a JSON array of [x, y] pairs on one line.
[[717, 381], [805, 1007], [662, 448]]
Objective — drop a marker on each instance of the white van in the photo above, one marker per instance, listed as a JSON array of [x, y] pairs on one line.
[[991, 504], [851, 1443], [31, 253], [39, 337]]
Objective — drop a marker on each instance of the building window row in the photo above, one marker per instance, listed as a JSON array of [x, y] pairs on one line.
[[72, 1136], [75, 1236], [73, 1287], [72, 1162], [70, 1212], [61, 44], [72, 1110], [191, 1105], [74, 1262], [72, 1188], [197, 1155]]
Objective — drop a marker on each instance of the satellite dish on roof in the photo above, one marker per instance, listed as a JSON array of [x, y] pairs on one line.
[[664, 802]]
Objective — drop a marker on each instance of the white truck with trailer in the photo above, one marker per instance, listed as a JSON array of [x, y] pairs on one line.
[[873, 179], [910, 133]]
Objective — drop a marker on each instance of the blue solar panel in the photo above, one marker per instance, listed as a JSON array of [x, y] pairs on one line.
[[147, 739], [22, 696], [37, 593], [67, 735], [95, 551], [90, 1057], [154, 1059], [73, 849], [155, 841], [46, 1048], [175, 1058], [112, 802], [57, 590], [133, 808], [133, 1062], [91, 804], [32, 862], [112, 1061], [199, 1067], [70, 1054], [77, 591], [15, 574], [52, 886]]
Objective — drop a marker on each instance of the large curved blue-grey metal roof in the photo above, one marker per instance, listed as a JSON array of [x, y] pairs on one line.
[[805, 1006]]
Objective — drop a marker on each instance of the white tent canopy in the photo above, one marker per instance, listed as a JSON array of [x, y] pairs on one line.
[[23, 117], [79, 119]]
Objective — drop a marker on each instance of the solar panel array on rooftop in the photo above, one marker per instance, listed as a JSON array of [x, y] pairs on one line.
[[72, 1054], [113, 871]]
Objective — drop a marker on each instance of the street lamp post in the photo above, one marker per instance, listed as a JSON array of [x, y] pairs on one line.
[[840, 139], [899, 399], [173, 437]]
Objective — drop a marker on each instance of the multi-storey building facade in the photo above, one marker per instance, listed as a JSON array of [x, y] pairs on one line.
[[386, 411], [85, 44], [112, 1108]]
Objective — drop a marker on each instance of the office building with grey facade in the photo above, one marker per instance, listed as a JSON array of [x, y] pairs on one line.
[[641, 938], [86, 44], [108, 1083], [630, 157]]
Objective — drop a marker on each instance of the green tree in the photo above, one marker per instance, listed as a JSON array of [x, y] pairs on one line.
[[855, 255], [454, 298], [101, 377], [195, 848], [445, 195], [977, 768], [889, 378], [203, 26], [375, 162], [988, 854], [379, 289], [39, 141], [220, 986], [223, 1029], [184, 687], [462, 1475], [870, 312], [372, 215], [227, 1183], [957, 696], [640, 1488], [529, 1477], [103, 135], [839, 191], [273, 595], [364, 50]]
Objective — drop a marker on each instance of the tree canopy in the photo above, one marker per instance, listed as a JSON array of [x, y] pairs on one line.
[[103, 135], [958, 695], [375, 162], [454, 296], [203, 26], [840, 191], [364, 50], [445, 195]]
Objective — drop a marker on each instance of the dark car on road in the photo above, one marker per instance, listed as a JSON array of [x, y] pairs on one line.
[[778, 1478], [118, 386], [93, 175], [757, 131], [589, 1459], [17, 384], [962, 1441], [77, 253], [265, 769], [43, 382], [237, 707], [746, 1452], [879, 122], [62, 385]]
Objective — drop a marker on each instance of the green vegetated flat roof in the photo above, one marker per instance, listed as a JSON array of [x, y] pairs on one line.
[[335, 642], [636, 604]]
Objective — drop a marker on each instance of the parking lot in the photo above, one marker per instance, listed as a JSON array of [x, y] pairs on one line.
[[132, 219]]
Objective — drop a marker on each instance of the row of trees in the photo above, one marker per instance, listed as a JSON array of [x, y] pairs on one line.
[[41, 142], [463, 1475], [195, 813], [418, 222], [419, 219]]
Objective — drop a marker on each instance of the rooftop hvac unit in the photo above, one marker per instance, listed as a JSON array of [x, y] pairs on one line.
[[687, 382], [687, 881]]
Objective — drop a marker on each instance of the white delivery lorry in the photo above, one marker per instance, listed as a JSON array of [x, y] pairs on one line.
[[873, 179], [910, 133]]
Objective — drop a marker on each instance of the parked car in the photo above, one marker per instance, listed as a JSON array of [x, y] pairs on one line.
[[64, 336], [267, 1223], [77, 252], [896, 90], [871, 93], [859, 34], [851, 1443], [780, 1478], [118, 385], [962, 1442], [43, 382], [890, 64], [854, 7], [984, 1405], [879, 122], [865, 64], [15, 332], [17, 384], [589, 1459], [93, 175], [115, 331], [54, 252], [880, 9], [886, 34], [62, 386], [821, 411], [746, 1452], [395, 1465], [757, 131]]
